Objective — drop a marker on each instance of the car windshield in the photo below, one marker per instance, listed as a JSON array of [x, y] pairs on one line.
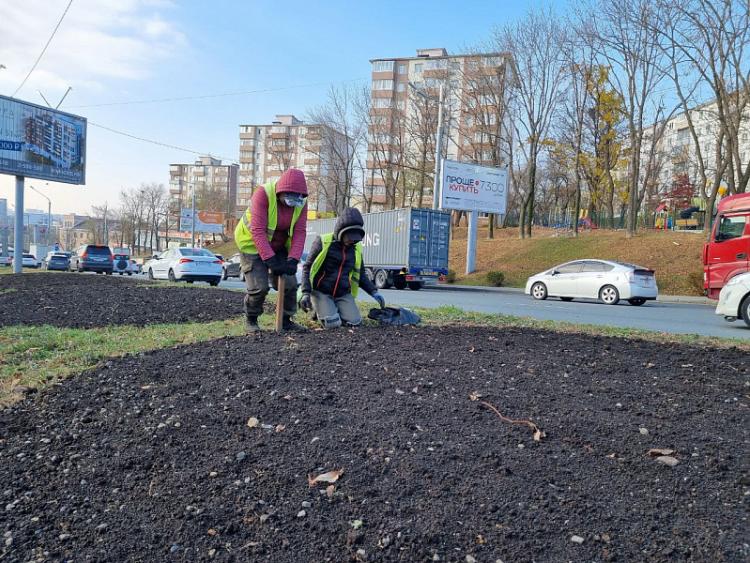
[[29, 256], [59, 257], [195, 252]]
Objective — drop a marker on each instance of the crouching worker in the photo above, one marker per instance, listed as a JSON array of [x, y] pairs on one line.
[[270, 237], [334, 271]]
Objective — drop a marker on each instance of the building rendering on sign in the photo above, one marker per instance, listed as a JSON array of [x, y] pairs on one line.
[[403, 120], [215, 186], [55, 139], [267, 150]]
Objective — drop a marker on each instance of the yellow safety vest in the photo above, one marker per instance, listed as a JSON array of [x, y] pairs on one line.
[[327, 239], [243, 236]]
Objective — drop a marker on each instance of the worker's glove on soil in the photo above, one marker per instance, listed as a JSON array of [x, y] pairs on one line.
[[291, 266], [276, 264], [305, 302], [380, 299]]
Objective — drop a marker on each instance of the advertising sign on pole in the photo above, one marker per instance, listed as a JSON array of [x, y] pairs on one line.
[[205, 221], [469, 187], [40, 142]]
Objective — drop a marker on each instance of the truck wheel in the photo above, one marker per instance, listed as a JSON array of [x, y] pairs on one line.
[[380, 278], [399, 281], [745, 310], [416, 286]]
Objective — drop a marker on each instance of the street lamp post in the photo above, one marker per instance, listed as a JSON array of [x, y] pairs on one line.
[[49, 214], [438, 141]]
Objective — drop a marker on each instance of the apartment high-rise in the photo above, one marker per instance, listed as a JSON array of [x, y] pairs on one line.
[[403, 120], [267, 150], [215, 185]]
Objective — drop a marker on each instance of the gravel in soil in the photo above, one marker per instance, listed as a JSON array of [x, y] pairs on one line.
[[88, 301], [206, 451]]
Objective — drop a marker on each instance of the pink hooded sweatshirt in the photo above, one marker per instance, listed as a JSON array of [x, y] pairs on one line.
[[292, 180]]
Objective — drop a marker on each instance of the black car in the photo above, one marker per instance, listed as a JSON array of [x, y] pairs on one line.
[[231, 268], [92, 258], [58, 262]]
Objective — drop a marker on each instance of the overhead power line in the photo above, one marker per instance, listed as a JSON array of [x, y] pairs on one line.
[[160, 143], [39, 58], [211, 96]]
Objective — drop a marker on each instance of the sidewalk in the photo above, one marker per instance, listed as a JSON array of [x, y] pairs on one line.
[[692, 299]]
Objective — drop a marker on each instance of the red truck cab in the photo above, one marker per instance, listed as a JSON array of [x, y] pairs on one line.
[[728, 251]]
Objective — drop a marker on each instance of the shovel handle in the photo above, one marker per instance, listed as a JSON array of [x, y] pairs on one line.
[[280, 287]]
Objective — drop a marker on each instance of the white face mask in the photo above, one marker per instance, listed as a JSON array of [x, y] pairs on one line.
[[293, 200]]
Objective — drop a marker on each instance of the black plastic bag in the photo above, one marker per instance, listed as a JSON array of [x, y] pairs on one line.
[[394, 316]]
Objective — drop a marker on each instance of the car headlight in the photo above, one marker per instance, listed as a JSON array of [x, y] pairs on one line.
[[733, 281]]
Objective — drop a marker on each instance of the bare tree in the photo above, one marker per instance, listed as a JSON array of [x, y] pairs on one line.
[[534, 43], [706, 42]]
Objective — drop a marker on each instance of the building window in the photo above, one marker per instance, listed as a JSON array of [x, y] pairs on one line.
[[382, 66], [381, 103], [400, 87], [437, 64], [402, 69], [382, 84], [418, 68]]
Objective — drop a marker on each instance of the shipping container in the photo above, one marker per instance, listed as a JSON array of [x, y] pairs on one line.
[[402, 248]]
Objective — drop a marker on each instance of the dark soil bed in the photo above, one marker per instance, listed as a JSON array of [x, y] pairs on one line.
[[150, 458], [88, 300]]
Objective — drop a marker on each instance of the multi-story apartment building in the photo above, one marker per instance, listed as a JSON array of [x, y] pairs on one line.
[[677, 153], [403, 120], [56, 139], [215, 185], [267, 150]]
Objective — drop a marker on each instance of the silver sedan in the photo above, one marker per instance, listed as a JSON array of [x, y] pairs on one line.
[[604, 280]]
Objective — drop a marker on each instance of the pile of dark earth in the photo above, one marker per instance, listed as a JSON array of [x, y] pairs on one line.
[[205, 451], [88, 301]]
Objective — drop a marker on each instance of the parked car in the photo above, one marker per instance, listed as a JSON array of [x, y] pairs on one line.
[[92, 258], [121, 262], [231, 268], [734, 299], [186, 264], [29, 261], [595, 279], [7, 260], [57, 261], [135, 267]]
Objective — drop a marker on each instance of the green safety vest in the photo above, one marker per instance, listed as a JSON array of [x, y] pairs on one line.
[[243, 237], [327, 239]]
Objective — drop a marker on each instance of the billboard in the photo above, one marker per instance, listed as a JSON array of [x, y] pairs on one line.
[[205, 222], [43, 143], [469, 187]]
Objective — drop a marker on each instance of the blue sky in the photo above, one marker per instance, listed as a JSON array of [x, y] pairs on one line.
[[128, 50]]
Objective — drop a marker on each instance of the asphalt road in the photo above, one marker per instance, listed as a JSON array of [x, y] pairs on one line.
[[677, 318]]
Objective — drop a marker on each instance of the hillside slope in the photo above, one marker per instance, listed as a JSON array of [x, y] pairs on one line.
[[675, 256]]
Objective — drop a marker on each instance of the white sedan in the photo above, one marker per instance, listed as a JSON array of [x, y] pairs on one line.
[[186, 264], [734, 299], [605, 280]]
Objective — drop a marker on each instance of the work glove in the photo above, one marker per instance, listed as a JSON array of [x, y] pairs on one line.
[[276, 264], [380, 299], [291, 267], [305, 302]]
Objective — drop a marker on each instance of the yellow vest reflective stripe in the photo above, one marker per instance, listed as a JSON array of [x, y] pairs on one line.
[[243, 236], [327, 239]]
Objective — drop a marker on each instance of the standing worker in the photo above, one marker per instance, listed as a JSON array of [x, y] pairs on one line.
[[334, 271], [271, 237]]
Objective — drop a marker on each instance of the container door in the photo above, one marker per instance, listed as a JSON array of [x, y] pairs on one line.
[[419, 230], [440, 232]]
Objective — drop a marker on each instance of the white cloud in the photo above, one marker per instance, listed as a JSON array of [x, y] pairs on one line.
[[99, 40]]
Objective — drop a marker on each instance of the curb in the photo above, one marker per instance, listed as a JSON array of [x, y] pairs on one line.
[[685, 299]]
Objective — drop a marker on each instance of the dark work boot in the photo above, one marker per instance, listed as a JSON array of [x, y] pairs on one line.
[[251, 325], [290, 325]]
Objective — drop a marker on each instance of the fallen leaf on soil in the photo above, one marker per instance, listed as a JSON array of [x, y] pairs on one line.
[[252, 422], [328, 477], [474, 396], [611, 456], [144, 387], [667, 460], [287, 397], [655, 452], [471, 349], [329, 491], [212, 532], [538, 432], [356, 524], [280, 427], [481, 540]]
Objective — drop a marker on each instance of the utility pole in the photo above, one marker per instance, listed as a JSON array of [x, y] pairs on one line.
[[192, 222], [49, 214], [438, 151], [18, 236]]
